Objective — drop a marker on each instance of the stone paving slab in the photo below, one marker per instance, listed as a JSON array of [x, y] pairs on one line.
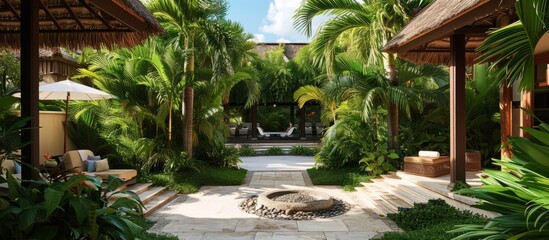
[[213, 213]]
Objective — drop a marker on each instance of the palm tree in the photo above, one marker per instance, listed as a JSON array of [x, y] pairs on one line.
[[184, 22], [367, 26], [164, 76]]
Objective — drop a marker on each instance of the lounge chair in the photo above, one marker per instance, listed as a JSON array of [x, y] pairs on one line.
[[9, 165], [308, 128], [261, 134], [289, 133], [77, 159]]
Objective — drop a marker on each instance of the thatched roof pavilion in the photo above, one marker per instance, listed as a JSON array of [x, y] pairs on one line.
[[426, 39], [447, 32], [78, 23], [31, 24]]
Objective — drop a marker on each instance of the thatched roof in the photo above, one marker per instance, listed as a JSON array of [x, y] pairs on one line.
[[79, 23], [290, 49], [58, 54], [426, 38]]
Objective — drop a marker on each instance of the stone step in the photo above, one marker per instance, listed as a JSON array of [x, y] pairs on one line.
[[158, 201], [387, 192], [376, 197], [402, 190], [138, 187], [150, 193], [369, 201]]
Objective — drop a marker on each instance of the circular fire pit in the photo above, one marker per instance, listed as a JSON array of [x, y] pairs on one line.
[[294, 205], [292, 201]]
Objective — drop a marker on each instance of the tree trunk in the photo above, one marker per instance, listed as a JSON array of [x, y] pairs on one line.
[[170, 123], [392, 116], [189, 98]]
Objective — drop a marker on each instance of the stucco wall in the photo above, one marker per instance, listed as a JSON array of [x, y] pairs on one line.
[[52, 133]]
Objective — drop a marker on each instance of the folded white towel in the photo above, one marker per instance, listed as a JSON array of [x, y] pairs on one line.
[[434, 154]]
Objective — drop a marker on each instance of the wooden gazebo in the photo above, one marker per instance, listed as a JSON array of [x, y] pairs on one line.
[[31, 24], [447, 32]]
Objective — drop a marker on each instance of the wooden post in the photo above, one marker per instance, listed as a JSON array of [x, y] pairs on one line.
[[457, 109], [292, 114], [302, 123], [29, 86], [526, 102], [254, 122], [505, 102]]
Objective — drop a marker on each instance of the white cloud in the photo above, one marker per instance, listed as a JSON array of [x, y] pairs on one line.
[[259, 38], [279, 17], [279, 20], [283, 40]]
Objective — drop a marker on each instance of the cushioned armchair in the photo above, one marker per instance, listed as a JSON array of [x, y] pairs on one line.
[[78, 159]]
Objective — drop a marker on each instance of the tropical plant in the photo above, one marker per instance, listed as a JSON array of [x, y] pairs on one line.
[[191, 24], [378, 161], [510, 49], [9, 73], [274, 151], [10, 128], [301, 151], [378, 20], [518, 192], [247, 151], [77, 208]]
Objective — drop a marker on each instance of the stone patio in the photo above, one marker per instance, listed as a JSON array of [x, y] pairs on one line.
[[213, 213]]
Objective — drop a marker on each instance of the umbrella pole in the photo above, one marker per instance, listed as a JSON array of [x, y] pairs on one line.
[[66, 122]]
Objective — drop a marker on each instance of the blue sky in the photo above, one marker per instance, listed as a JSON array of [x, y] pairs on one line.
[[268, 20]]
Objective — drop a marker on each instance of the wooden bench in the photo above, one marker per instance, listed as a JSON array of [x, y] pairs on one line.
[[427, 166]]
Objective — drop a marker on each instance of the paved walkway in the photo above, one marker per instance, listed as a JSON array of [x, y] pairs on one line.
[[277, 163], [213, 213]]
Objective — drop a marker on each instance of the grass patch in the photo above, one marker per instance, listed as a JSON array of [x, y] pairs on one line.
[[348, 178], [431, 221], [190, 181]]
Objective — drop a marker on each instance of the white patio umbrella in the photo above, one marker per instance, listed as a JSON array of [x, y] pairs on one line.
[[69, 90]]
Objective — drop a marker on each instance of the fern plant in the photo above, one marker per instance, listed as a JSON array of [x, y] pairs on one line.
[[519, 193]]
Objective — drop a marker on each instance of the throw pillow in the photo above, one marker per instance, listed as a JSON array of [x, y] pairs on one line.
[[102, 165], [17, 167], [91, 163]]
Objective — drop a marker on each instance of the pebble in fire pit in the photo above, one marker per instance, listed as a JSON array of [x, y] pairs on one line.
[[294, 205]]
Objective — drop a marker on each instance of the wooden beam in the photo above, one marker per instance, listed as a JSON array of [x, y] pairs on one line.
[[29, 86], [73, 15], [12, 9], [464, 19], [50, 16], [457, 109], [97, 15], [473, 31], [122, 13]]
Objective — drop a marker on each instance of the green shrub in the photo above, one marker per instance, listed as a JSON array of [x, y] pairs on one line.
[[301, 151], [353, 143], [519, 193], [189, 181], [75, 208], [274, 151], [379, 161], [348, 178], [247, 151], [215, 153], [430, 221], [178, 163]]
